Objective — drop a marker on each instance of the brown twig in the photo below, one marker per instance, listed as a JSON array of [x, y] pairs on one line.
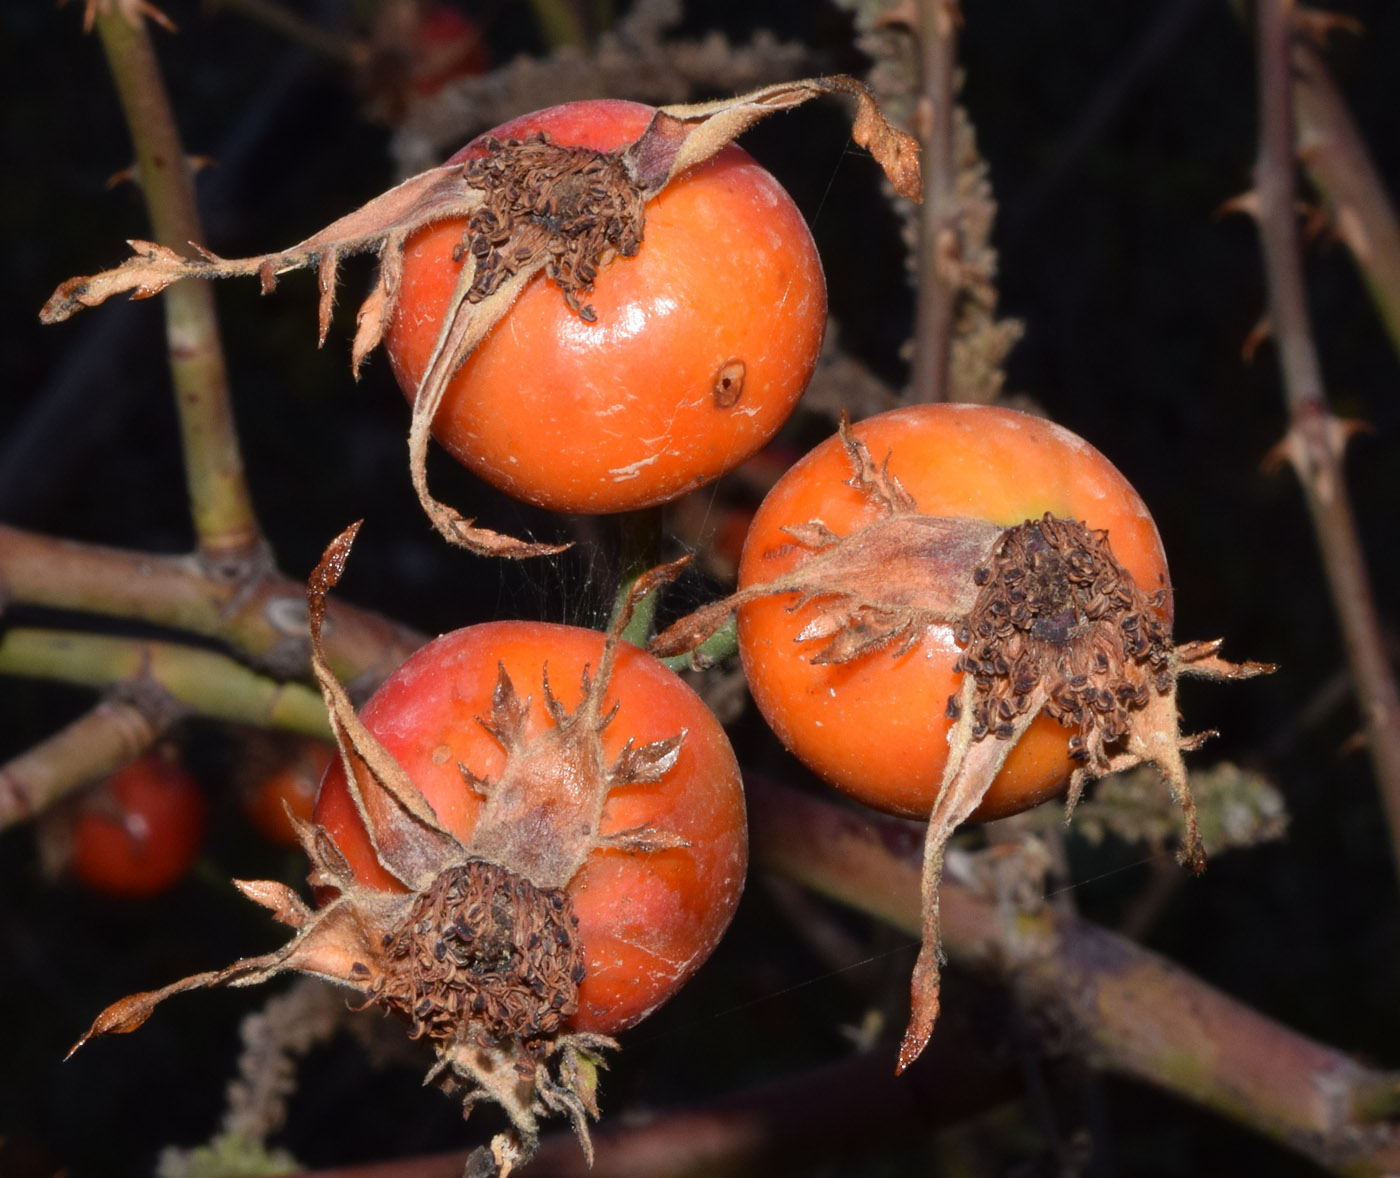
[[97, 743], [1315, 440], [227, 534], [1133, 1012], [842, 1111], [936, 310], [265, 620]]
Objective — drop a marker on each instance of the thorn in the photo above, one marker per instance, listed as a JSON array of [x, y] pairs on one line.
[[1317, 26], [1246, 203], [1260, 332]]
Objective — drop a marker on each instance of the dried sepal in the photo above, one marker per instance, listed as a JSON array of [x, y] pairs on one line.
[[681, 136], [510, 200], [972, 765], [568, 757], [651, 762], [331, 946], [419, 843], [879, 588], [285, 905], [420, 200]]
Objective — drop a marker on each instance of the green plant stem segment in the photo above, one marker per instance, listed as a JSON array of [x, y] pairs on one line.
[[202, 682], [227, 533], [641, 550]]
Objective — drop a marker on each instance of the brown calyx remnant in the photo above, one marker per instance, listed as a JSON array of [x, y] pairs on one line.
[[1058, 626], [1057, 611], [576, 207], [484, 950]]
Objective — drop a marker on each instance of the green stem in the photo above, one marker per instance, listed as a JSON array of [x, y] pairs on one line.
[[227, 533], [200, 682], [641, 552]]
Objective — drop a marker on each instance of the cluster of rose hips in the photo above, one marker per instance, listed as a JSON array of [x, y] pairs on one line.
[[535, 834]]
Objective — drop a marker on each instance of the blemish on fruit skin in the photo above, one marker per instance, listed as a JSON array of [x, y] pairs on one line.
[[441, 754], [729, 384], [632, 470]]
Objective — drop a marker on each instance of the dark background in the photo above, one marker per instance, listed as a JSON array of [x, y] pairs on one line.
[[1136, 297]]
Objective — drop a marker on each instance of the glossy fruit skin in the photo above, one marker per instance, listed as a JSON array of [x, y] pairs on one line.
[[647, 921], [140, 831], [877, 727], [628, 411], [293, 785]]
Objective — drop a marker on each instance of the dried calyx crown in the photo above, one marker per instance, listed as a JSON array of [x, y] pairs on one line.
[[1056, 608], [574, 207]]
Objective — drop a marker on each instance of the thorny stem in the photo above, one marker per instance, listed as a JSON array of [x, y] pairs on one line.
[[97, 743], [938, 230], [1132, 1011], [1315, 438], [226, 530], [1336, 158]]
